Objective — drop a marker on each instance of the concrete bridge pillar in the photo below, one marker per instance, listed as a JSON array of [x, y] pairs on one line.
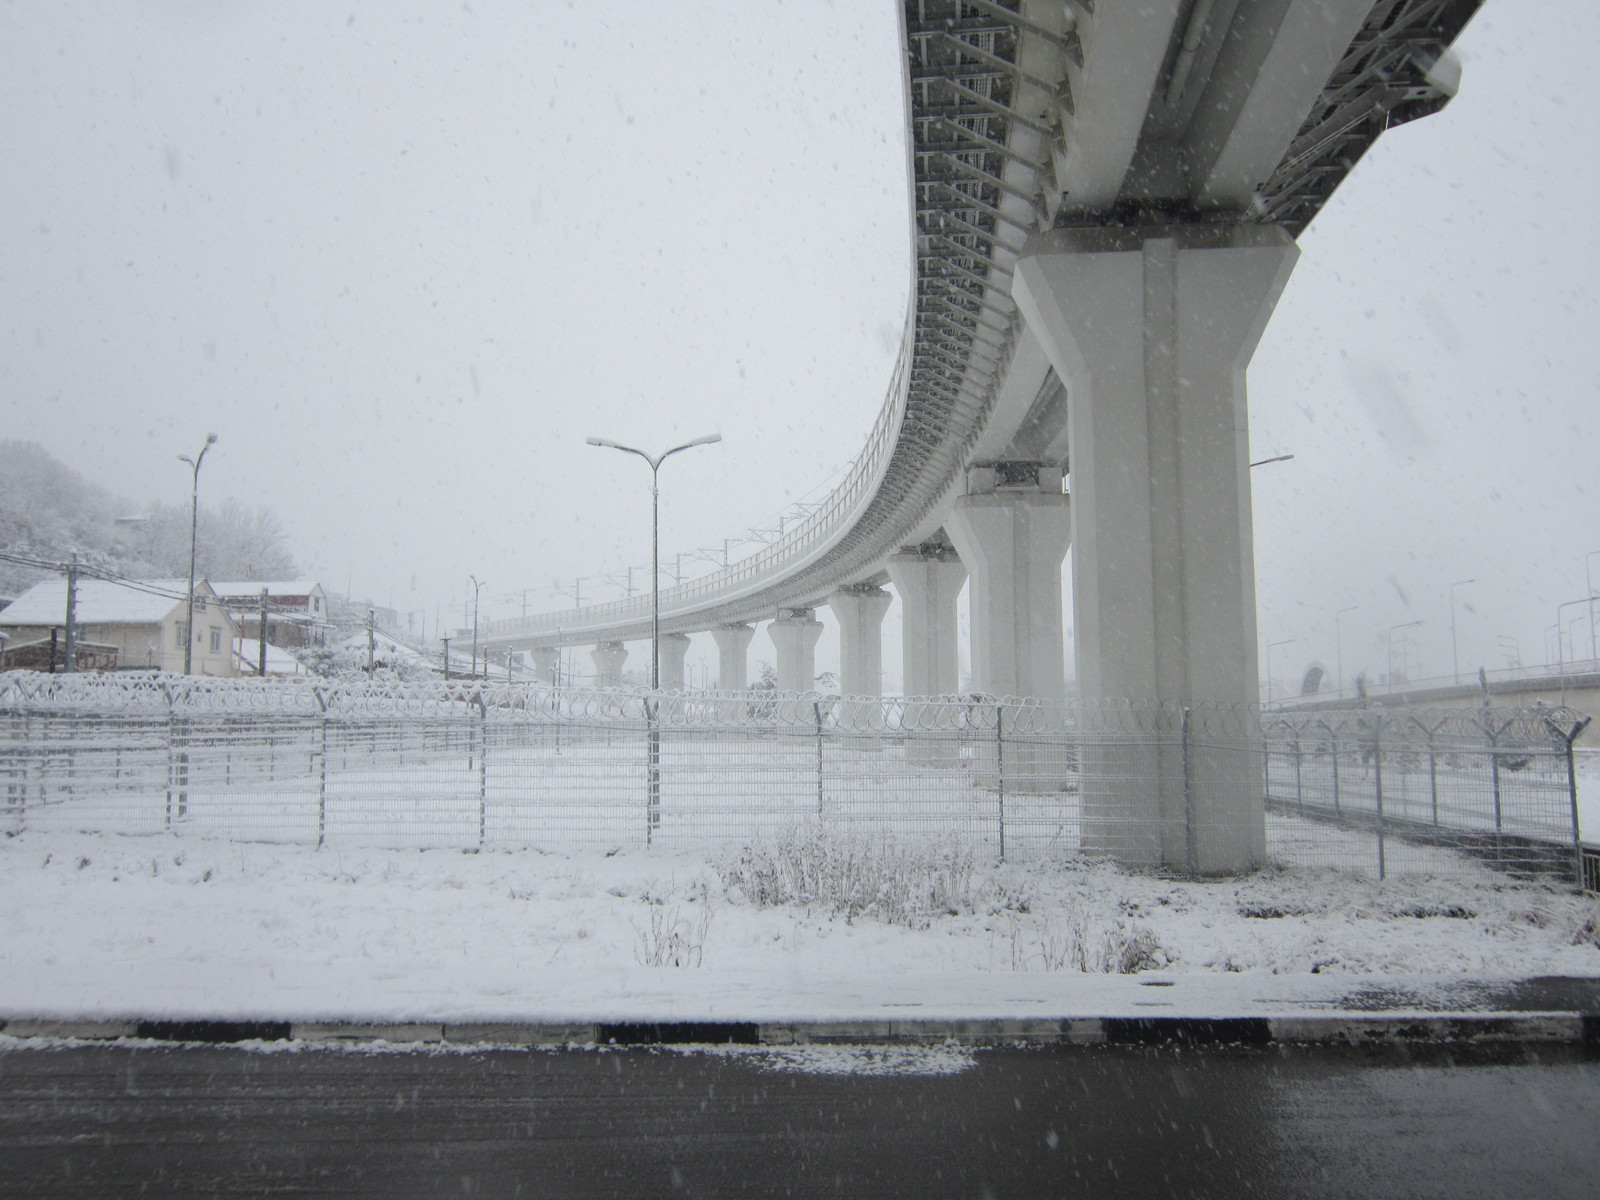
[[859, 611], [794, 636], [546, 663], [1151, 330], [733, 661], [608, 659], [928, 581], [1012, 532], [674, 647]]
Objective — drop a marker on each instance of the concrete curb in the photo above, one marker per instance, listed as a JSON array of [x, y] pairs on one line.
[[1344, 1029]]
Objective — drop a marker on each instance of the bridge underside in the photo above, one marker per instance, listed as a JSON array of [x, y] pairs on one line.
[[1106, 198]]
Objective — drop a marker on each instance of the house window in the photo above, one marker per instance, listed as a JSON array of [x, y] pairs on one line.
[[216, 639], [180, 634]]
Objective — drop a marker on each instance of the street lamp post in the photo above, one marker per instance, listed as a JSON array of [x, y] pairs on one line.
[[194, 533], [1561, 653], [1588, 580], [1338, 648], [476, 588], [655, 461], [1392, 629], [1455, 663], [653, 814]]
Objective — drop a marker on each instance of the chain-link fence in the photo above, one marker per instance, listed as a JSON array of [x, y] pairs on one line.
[[474, 764]]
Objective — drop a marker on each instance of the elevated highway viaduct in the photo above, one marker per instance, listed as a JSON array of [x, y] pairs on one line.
[[1105, 199]]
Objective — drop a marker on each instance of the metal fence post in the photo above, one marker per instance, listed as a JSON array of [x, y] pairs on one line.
[[1333, 753], [322, 767], [652, 712], [1494, 778], [1433, 776], [177, 763], [483, 770], [1190, 859], [1377, 788], [1000, 773], [1299, 785], [816, 710], [1569, 737]]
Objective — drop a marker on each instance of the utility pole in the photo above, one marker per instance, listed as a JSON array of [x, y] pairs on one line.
[[477, 587], [370, 640], [261, 666], [446, 642], [72, 616]]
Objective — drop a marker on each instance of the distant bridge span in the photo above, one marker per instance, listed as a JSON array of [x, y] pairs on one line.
[[1105, 199]]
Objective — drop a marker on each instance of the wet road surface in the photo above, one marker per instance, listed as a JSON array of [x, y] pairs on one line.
[[171, 1121]]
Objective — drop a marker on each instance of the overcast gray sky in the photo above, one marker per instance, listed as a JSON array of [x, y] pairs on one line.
[[404, 257]]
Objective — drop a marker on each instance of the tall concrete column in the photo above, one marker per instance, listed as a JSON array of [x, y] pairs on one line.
[[1151, 330], [928, 582], [674, 646], [608, 659], [733, 660], [859, 611], [794, 636], [1012, 535], [546, 662]]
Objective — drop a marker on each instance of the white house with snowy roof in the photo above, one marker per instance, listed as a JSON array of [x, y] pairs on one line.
[[142, 618]]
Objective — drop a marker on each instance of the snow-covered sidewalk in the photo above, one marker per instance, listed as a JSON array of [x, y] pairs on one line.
[[168, 928]]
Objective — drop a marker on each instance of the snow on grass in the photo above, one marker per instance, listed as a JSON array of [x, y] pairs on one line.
[[166, 927]]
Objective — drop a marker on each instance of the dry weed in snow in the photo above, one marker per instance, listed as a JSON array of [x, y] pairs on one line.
[[902, 881], [670, 938]]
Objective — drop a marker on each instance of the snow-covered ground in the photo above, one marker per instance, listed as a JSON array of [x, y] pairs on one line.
[[158, 926]]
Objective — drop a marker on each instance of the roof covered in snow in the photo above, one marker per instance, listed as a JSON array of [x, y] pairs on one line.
[[248, 587], [100, 602]]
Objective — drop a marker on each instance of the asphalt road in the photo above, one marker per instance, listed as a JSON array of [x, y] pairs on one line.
[[170, 1121]]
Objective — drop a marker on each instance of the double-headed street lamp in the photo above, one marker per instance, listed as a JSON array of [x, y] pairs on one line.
[[653, 803], [655, 461], [194, 531]]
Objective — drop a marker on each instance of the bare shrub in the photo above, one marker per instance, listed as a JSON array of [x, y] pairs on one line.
[[898, 881], [674, 938], [1071, 943]]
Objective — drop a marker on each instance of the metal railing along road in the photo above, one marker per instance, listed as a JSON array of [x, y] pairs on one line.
[[469, 765]]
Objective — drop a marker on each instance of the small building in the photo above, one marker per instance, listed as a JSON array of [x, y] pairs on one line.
[[297, 611], [142, 621]]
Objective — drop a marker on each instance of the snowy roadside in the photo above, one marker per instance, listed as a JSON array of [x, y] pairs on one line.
[[162, 927]]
